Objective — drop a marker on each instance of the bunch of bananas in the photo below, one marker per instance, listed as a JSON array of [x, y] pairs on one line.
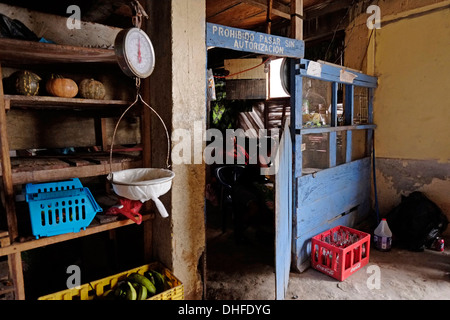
[[137, 286]]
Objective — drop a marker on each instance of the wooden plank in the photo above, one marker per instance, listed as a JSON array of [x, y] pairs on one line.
[[77, 162], [250, 41], [323, 198], [331, 129], [16, 270], [298, 156], [32, 164], [246, 89], [296, 100], [369, 142], [8, 187], [41, 102], [254, 67], [214, 8], [349, 107], [327, 207], [278, 9], [269, 16], [326, 7], [370, 105], [349, 103], [239, 15], [283, 214], [349, 146], [297, 19], [334, 99], [332, 148], [39, 52], [70, 172], [17, 247], [329, 181], [302, 245], [333, 73]]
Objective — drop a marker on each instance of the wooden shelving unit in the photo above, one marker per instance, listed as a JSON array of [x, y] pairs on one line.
[[94, 228], [34, 169], [42, 102], [42, 169], [40, 52]]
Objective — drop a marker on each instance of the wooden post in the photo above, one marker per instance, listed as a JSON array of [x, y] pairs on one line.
[[369, 135], [348, 118], [297, 19], [15, 259], [296, 90], [9, 201], [334, 99], [16, 271], [146, 156], [269, 16], [332, 149]]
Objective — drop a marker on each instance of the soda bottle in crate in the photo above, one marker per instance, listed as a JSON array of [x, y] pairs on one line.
[[340, 251]]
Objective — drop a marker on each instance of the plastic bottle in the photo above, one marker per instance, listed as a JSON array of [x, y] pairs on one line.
[[382, 237]]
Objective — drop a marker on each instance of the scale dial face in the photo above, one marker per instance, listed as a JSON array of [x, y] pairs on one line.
[[135, 53]]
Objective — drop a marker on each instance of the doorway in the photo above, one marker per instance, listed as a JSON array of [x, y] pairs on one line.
[[248, 153], [239, 198]]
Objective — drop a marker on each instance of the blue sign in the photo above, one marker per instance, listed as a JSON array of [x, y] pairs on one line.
[[250, 41]]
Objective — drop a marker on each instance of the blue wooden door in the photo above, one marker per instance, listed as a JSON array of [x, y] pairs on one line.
[[338, 194], [283, 213]]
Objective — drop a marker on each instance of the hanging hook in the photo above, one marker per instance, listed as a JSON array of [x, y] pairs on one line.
[[138, 84], [139, 13]]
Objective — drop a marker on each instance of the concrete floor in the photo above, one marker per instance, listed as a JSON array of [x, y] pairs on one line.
[[246, 272]]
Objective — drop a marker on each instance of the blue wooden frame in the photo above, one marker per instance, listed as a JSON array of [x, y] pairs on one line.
[[339, 195]]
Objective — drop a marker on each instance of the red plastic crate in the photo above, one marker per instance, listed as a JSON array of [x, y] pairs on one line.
[[340, 251]]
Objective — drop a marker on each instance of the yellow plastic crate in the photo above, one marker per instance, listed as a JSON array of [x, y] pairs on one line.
[[95, 288]]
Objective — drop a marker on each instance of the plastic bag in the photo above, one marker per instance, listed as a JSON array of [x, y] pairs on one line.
[[416, 222], [14, 29]]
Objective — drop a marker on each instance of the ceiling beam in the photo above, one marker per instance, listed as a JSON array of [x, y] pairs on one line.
[[278, 9], [326, 7]]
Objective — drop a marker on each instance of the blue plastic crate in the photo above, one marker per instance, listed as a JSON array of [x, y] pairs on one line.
[[60, 207]]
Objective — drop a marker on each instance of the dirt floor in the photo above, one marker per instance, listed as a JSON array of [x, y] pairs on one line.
[[246, 272]]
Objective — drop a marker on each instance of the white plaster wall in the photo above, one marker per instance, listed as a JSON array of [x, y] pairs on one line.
[[54, 28], [178, 93], [189, 105]]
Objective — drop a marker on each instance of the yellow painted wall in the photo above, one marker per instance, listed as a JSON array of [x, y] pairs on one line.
[[412, 102], [410, 55]]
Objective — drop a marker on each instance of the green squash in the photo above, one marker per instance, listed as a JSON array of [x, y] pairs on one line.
[[92, 89], [26, 82]]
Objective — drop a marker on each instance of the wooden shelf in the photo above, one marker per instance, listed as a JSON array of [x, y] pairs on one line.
[[30, 52], [42, 169], [335, 129], [41, 102], [95, 227]]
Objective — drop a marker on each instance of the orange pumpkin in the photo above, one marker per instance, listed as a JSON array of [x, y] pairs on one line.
[[61, 87]]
